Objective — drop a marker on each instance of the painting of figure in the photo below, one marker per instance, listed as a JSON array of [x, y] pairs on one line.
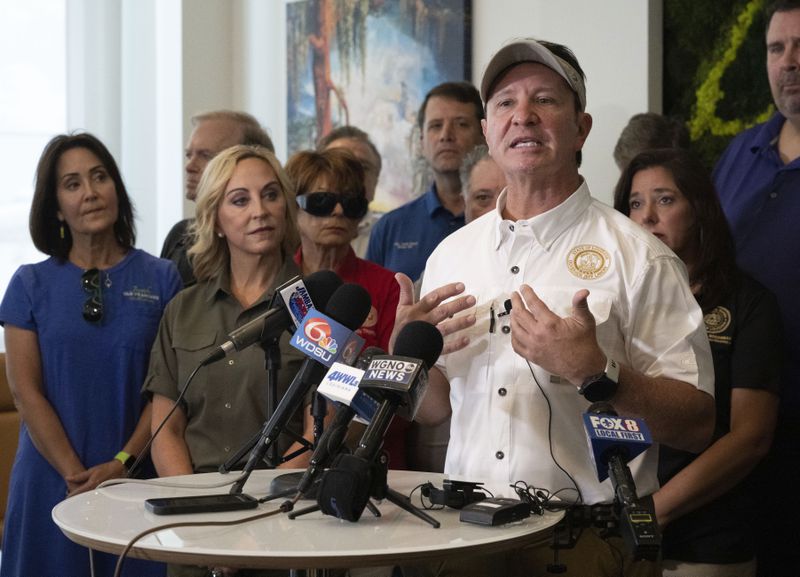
[[369, 63]]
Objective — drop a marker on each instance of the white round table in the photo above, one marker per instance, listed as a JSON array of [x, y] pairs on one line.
[[107, 519]]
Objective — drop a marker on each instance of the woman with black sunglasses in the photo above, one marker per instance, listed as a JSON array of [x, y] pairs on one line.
[[330, 191], [78, 332]]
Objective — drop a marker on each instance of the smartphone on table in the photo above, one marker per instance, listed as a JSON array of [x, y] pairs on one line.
[[200, 504]]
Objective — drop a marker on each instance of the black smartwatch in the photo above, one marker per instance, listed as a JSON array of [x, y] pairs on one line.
[[603, 386]]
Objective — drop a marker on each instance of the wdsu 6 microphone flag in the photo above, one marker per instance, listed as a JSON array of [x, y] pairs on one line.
[[293, 301], [325, 340]]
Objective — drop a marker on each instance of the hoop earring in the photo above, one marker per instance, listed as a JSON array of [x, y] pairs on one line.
[[61, 231]]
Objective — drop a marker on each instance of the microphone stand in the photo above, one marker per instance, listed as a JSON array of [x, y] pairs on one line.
[[272, 354], [380, 490], [286, 484], [272, 362], [276, 424], [319, 408]]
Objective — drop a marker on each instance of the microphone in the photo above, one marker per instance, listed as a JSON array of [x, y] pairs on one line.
[[613, 438], [340, 384], [293, 300], [399, 380], [347, 309], [614, 441]]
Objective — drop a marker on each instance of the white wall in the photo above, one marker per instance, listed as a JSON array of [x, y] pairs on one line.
[[138, 70], [618, 44], [124, 65]]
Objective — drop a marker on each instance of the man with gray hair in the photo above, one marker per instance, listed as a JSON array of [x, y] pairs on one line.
[[601, 311], [213, 132], [481, 182]]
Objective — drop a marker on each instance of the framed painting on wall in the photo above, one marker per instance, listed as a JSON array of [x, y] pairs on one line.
[[369, 64]]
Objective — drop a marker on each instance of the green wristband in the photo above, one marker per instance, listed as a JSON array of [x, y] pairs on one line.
[[126, 459]]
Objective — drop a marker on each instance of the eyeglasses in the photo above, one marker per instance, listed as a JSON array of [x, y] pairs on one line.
[[324, 203], [93, 307]]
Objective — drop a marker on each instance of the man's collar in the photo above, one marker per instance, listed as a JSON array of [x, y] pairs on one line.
[[548, 226], [767, 136], [431, 200]]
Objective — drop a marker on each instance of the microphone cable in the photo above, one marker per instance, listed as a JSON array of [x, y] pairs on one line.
[[615, 552], [146, 450], [151, 530], [550, 438]]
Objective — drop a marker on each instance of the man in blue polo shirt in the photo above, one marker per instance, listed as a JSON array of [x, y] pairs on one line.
[[758, 180], [450, 126]]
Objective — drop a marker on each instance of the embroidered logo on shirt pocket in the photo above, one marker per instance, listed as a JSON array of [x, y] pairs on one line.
[[588, 261]]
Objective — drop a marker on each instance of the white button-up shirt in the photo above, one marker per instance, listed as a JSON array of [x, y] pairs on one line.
[[505, 427]]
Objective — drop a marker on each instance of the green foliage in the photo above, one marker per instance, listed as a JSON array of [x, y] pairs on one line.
[[714, 69]]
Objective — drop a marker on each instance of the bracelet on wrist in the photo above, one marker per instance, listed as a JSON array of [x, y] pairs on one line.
[[126, 459]]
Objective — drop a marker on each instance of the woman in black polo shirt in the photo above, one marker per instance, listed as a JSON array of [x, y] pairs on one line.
[[706, 502]]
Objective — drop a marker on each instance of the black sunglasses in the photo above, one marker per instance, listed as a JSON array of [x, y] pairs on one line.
[[93, 307], [323, 204]]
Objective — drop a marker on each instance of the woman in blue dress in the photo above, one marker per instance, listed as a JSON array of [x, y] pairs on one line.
[[78, 332]]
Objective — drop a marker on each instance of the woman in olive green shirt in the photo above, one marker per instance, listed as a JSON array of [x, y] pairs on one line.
[[244, 236]]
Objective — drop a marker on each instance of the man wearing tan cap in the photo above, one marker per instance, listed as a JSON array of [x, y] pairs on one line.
[[601, 311]]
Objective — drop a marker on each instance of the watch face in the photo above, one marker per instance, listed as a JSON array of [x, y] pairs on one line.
[[600, 390]]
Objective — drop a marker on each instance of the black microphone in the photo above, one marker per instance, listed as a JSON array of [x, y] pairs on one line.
[[331, 441], [349, 305], [399, 380], [291, 304], [614, 442]]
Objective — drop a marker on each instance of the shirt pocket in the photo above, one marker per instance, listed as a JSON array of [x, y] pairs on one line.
[[480, 354], [191, 348], [559, 300], [602, 306]]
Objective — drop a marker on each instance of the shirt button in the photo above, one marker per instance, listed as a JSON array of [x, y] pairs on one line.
[[227, 405], [514, 269], [499, 455], [511, 227], [773, 195], [230, 361], [506, 329], [502, 391], [227, 449]]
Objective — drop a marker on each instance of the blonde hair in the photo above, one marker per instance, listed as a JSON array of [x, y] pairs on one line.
[[209, 254]]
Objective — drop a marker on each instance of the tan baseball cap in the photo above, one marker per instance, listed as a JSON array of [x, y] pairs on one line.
[[522, 50]]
